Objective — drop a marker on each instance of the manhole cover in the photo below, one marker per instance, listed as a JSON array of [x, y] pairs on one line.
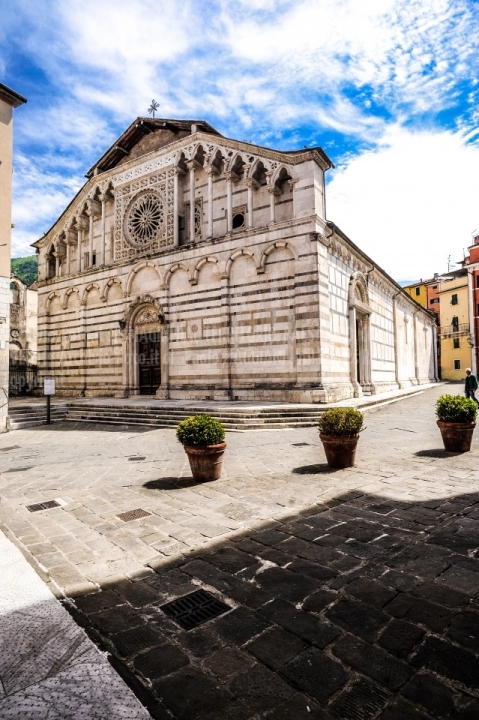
[[136, 459], [300, 444], [43, 506], [194, 609], [133, 515]]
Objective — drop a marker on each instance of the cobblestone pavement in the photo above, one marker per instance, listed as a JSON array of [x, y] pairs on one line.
[[353, 593]]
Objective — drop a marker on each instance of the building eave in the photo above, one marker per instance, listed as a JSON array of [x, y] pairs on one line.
[[11, 97]]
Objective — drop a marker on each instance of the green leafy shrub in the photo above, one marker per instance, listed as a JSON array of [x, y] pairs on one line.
[[456, 408], [341, 421], [200, 430]]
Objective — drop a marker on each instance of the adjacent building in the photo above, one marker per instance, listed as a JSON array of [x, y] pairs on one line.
[[194, 266], [9, 99]]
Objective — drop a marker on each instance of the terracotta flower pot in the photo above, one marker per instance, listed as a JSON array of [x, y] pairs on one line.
[[206, 462], [456, 436], [340, 449]]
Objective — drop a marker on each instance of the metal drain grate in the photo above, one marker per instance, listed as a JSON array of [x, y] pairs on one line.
[[300, 444], [133, 515], [43, 506], [136, 459], [194, 609]]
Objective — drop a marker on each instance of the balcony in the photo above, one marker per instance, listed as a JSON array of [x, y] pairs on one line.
[[450, 330]]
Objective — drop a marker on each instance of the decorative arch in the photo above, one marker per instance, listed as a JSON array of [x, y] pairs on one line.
[[267, 251], [236, 254], [359, 292], [137, 268], [88, 289], [66, 297], [50, 299], [106, 289], [199, 265], [173, 269], [258, 172]]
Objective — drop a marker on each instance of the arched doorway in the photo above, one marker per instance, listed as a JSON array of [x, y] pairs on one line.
[[360, 336], [145, 349]]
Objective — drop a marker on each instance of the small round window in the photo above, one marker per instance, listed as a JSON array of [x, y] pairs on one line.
[[238, 220]]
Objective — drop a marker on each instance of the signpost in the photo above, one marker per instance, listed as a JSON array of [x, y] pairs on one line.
[[48, 391]]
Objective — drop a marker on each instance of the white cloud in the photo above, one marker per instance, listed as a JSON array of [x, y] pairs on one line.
[[410, 203]]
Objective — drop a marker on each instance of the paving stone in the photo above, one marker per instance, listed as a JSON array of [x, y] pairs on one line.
[[248, 594], [211, 575], [371, 592], [460, 579], [269, 537], [190, 693], [298, 707], [442, 594], [314, 570], [303, 673], [200, 642], [260, 689], [231, 560], [464, 629], [275, 647], [97, 602], [234, 710], [115, 620], [400, 637], [402, 710], [240, 625], [358, 618], [227, 663], [137, 639], [400, 605], [372, 661], [159, 661], [319, 600], [361, 701], [449, 661], [433, 616], [137, 594], [286, 585], [435, 697], [307, 627]]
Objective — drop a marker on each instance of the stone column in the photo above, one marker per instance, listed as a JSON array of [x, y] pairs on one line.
[[415, 340], [353, 350], [176, 237], [103, 199], [94, 209], [68, 258], [210, 171], [192, 165], [57, 264], [79, 227], [229, 201], [252, 185], [292, 183], [273, 192], [396, 343]]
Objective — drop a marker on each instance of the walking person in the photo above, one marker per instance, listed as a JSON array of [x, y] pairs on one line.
[[471, 385]]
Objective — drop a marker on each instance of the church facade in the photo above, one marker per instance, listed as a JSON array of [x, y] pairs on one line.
[[193, 266]]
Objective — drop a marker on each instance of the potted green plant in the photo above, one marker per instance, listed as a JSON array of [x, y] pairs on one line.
[[203, 438], [339, 430], [456, 419]]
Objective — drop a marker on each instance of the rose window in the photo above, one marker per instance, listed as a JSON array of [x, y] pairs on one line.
[[144, 220]]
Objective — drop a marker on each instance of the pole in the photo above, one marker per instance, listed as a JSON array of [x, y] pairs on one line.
[[48, 410]]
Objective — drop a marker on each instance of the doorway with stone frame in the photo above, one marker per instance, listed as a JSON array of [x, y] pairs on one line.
[[360, 336], [145, 351]]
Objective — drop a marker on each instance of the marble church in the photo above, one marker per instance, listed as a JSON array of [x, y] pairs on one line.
[[194, 266]]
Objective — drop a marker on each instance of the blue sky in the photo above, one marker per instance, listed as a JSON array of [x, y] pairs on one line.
[[389, 88]]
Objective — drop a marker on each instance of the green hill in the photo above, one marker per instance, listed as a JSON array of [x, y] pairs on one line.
[[26, 268]]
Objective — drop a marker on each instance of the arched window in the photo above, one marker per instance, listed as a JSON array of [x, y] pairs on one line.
[[15, 294]]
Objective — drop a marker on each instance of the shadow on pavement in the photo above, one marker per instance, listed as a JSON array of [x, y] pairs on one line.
[[358, 607], [436, 453], [170, 483], [314, 469]]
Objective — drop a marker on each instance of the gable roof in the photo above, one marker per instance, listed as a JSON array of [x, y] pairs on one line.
[[137, 130]]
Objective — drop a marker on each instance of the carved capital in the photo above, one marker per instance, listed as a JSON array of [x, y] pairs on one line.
[[252, 183], [192, 165], [230, 175], [211, 170], [93, 208]]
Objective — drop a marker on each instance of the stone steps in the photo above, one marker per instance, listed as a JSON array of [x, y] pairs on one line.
[[30, 416], [168, 417]]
